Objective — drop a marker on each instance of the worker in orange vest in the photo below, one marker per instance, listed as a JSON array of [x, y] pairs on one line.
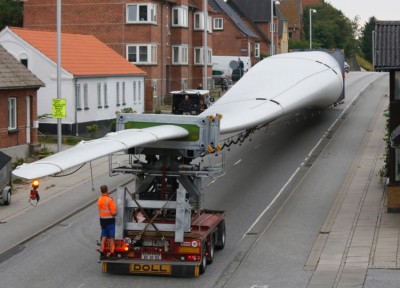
[[107, 212]]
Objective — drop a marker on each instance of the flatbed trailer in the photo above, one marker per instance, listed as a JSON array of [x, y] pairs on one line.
[[176, 235], [161, 255]]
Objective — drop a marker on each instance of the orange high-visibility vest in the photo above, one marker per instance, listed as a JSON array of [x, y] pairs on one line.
[[106, 207]]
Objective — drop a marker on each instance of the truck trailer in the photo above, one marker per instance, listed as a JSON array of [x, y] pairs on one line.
[[161, 227]]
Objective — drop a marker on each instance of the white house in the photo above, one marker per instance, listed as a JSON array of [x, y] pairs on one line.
[[96, 81]]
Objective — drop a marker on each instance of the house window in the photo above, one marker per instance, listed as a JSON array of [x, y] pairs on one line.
[[117, 93], [199, 56], [184, 83], [257, 50], [139, 91], [105, 95], [199, 22], [12, 113], [85, 97], [78, 97], [123, 94], [154, 86], [218, 24], [180, 16], [141, 13], [99, 96], [142, 54], [24, 62], [180, 55], [397, 165], [396, 86], [134, 92]]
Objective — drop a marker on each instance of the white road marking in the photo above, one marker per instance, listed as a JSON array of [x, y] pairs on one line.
[[270, 204], [212, 182], [237, 162], [298, 168]]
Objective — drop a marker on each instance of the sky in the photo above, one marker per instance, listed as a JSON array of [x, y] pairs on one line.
[[381, 9]]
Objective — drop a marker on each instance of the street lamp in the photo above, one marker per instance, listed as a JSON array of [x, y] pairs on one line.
[[272, 28], [311, 12]]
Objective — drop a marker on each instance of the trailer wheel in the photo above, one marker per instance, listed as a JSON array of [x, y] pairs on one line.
[[221, 236], [210, 259], [203, 264]]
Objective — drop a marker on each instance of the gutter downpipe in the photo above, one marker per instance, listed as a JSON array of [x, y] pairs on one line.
[[76, 108], [28, 120]]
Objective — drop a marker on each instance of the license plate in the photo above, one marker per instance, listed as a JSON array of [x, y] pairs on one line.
[[151, 269], [151, 256]]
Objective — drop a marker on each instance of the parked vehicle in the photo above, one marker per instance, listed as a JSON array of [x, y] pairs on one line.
[[5, 178], [218, 75], [346, 67], [198, 101]]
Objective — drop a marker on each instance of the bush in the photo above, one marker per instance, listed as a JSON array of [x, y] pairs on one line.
[[18, 162]]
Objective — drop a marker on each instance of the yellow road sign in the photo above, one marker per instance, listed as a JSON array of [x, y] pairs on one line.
[[59, 108]]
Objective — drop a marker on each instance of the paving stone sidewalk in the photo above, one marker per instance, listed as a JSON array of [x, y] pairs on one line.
[[358, 233]]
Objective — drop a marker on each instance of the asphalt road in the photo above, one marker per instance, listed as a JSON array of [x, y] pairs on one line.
[[257, 171]]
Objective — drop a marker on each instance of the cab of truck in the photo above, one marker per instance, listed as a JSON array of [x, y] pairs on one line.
[[190, 102]]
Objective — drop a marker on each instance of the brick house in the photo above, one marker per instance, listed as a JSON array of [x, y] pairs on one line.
[[293, 11], [312, 2], [96, 81], [257, 15], [18, 102], [387, 59], [229, 27], [165, 38]]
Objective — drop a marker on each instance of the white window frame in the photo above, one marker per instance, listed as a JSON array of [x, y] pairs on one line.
[[99, 95], [184, 83], [105, 95], [123, 94], [199, 56], [180, 54], [154, 86], [134, 92], [117, 94], [218, 23], [198, 22], [140, 92], [257, 50], [151, 53], [151, 13], [85, 96], [180, 16], [12, 113], [78, 97]]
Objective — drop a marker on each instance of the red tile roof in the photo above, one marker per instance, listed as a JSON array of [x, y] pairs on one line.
[[81, 55]]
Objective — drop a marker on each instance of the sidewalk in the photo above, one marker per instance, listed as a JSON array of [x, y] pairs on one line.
[[358, 233], [60, 197]]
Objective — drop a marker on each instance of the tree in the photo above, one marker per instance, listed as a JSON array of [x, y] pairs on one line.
[[366, 38], [331, 29], [11, 13]]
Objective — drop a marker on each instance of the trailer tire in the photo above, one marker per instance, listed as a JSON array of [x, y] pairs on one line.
[[6, 196], [221, 236], [210, 259], [203, 263]]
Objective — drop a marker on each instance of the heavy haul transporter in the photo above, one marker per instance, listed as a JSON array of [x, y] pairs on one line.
[[161, 227]]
